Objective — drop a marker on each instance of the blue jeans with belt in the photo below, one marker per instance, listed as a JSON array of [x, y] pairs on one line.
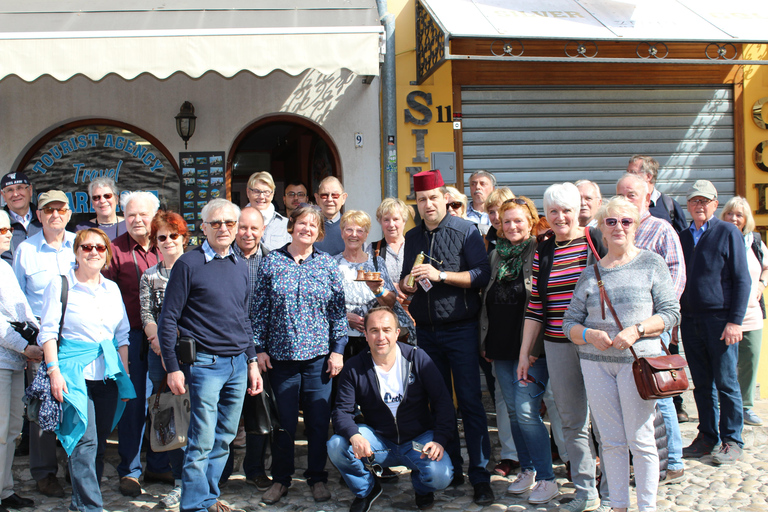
[[454, 351]]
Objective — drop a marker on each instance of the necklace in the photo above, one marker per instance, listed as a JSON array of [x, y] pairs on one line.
[[564, 245]]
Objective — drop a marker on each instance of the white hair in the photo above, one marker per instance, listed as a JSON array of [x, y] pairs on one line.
[[564, 195], [5, 218], [637, 178], [140, 195], [103, 182], [216, 205]]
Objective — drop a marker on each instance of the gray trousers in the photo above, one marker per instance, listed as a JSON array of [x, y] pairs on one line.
[[42, 444]]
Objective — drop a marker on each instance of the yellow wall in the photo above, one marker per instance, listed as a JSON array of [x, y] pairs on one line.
[[755, 88]]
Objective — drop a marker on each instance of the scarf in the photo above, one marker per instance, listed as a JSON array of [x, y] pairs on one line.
[[511, 263]]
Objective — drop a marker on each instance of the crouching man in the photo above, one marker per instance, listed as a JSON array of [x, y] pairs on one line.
[[398, 388]]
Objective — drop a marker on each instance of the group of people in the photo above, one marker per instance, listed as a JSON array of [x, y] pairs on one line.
[[483, 283]]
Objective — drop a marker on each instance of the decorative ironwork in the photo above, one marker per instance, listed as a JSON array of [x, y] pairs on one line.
[[502, 48], [430, 43], [721, 51], [576, 49], [654, 50]]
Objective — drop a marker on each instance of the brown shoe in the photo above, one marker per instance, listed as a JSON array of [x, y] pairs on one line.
[[274, 494], [130, 486], [160, 478], [223, 506], [673, 476], [50, 486], [320, 492]]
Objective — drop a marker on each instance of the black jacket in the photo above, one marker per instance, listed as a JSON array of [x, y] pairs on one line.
[[669, 210], [426, 404], [458, 245], [20, 234]]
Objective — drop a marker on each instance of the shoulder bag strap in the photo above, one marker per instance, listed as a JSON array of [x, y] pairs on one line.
[[594, 251], [64, 296], [376, 253]]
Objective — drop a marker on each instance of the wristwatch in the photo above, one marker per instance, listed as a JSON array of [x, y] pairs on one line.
[[443, 277], [253, 360], [640, 329]]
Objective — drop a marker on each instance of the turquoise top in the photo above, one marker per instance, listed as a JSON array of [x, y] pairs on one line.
[[74, 356]]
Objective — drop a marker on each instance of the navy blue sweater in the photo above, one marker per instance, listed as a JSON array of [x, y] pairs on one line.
[[424, 388], [716, 271], [208, 302]]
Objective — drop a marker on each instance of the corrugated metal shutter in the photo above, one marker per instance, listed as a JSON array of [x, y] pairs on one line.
[[533, 137]]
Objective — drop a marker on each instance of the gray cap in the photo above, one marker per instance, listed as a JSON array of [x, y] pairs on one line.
[[50, 197], [702, 188]]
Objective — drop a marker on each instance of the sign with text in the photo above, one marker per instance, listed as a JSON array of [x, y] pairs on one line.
[[202, 179]]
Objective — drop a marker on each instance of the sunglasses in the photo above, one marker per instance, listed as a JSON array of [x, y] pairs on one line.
[[456, 205], [326, 196], [625, 222], [516, 200], [5, 230], [49, 210], [96, 199], [530, 379], [216, 224], [100, 248], [172, 236]]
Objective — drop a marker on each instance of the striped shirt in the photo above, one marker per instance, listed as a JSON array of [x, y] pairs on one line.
[[657, 235], [567, 265]]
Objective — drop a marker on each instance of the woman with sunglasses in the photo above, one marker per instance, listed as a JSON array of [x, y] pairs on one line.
[[299, 322], [639, 286], [504, 302], [557, 265], [169, 234], [88, 365], [16, 348], [457, 203], [104, 195]]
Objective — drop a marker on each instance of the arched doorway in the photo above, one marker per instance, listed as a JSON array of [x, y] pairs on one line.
[[288, 147]]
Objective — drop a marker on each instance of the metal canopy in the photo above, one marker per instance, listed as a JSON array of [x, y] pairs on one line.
[[63, 39]]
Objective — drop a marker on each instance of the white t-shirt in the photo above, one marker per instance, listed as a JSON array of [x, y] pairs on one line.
[[391, 383]]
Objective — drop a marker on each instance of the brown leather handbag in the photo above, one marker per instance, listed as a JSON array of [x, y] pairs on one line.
[[655, 377]]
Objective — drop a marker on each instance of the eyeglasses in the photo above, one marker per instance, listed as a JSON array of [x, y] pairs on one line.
[[216, 224], [100, 248], [12, 190], [258, 193], [456, 205], [530, 379], [370, 465], [625, 222], [96, 199], [300, 195], [3, 231], [326, 195], [49, 210], [172, 236], [699, 202]]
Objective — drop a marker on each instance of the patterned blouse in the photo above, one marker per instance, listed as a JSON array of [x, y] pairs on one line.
[[298, 311], [567, 265], [358, 297], [151, 293]]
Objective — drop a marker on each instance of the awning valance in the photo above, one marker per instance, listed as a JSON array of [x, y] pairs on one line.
[[325, 36]]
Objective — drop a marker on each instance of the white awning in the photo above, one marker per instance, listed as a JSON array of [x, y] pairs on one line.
[[64, 39], [640, 20]]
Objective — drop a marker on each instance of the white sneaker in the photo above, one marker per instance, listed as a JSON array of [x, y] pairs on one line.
[[543, 492], [523, 483]]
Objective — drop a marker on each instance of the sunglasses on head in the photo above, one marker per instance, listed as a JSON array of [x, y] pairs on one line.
[[216, 224], [100, 248], [96, 199], [625, 222], [49, 210], [516, 200], [163, 238], [456, 205], [5, 230]]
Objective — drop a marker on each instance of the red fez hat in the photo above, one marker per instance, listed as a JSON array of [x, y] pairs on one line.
[[427, 180]]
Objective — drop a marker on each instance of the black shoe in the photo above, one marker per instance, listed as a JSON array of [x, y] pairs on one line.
[[483, 494], [458, 479], [16, 501], [682, 416], [364, 504], [50, 486], [159, 478], [698, 448], [425, 501], [262, 482]]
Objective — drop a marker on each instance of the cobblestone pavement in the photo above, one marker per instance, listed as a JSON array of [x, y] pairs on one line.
[[739, 487]]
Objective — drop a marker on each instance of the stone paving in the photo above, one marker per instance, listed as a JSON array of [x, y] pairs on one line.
[[739, 487]]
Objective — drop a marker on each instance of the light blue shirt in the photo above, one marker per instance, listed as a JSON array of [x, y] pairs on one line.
[[697, 233], [210, 254], [480, 218], [94, 314], [36, 263]]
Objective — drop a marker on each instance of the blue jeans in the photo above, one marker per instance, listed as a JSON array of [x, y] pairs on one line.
[[86, 463], [130, 430], [304, 382], [216, 388], [156, 376], [426, 475], [454, 351], [523, 401], [674, 438], [713, 366]]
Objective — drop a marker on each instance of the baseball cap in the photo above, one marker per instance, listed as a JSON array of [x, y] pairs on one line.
[[50, 197], [702, 188], [14, 178]]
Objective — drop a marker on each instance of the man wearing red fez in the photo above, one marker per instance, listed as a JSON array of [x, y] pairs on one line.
[[444, 267]]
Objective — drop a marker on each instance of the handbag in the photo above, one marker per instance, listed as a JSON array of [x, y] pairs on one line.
[[407, 325], [655, 377], [260, 411], [168, 418]]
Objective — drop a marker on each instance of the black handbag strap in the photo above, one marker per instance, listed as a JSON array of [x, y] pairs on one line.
[[64, 296]]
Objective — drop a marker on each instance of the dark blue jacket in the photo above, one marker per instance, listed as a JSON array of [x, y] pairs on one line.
[[458, 245], [20, 234], [426, 404], [716, 268], [669, 210]]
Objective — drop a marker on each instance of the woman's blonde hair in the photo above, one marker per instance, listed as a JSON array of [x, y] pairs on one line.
[[618, 205], [390, 205], [746, 209], [263, 177], [497, 197], [357, 217]]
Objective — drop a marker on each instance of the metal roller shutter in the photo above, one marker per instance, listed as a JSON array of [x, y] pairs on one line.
[[533, 137]]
